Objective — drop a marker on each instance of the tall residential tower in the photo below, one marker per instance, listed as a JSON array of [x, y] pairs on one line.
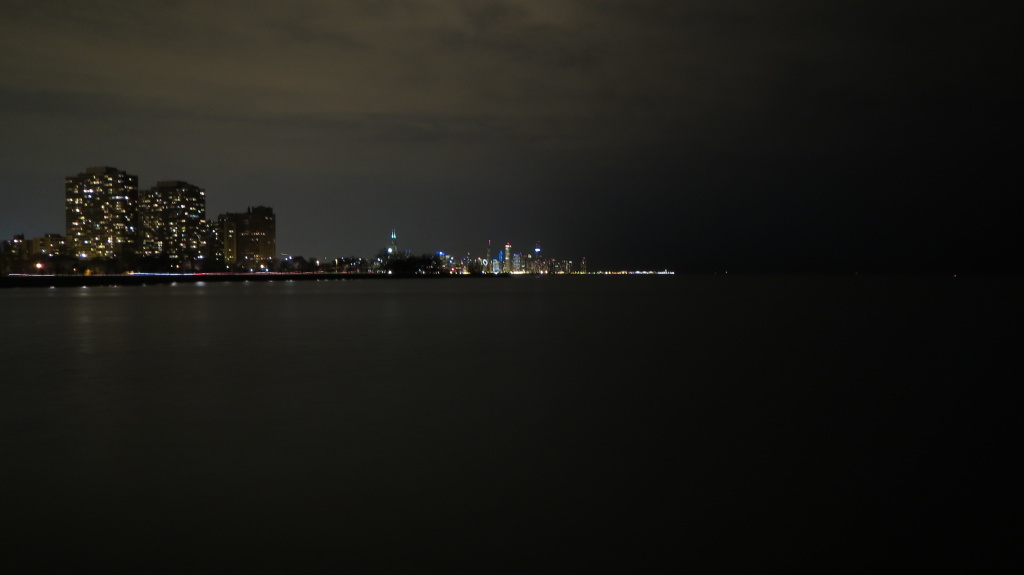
[[101, 213], [249, 237], [173, 220]]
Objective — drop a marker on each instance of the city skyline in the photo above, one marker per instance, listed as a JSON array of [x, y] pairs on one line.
[[164, 213], [114, 226], [696, 135]]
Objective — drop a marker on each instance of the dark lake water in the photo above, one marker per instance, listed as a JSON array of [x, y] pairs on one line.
[[511, 424]]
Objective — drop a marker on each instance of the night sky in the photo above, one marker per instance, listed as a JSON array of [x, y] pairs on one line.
[[707, 135]]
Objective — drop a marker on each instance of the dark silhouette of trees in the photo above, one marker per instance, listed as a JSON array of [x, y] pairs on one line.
[[426, 264]]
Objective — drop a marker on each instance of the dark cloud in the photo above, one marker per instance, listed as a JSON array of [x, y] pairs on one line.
[[696, 133]]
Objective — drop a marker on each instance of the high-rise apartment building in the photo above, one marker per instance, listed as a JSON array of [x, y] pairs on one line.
[[250, 236], [101, 213], [173, 220]]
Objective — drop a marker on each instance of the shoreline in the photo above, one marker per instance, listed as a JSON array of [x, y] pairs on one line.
[[12, 281], [45, 281]]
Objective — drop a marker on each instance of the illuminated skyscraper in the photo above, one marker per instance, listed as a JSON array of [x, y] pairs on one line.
[[508, 257], [173, 220], [535, 266], [101, 213], [249, 237]]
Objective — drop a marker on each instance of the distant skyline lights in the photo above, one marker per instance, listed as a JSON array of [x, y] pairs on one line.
[[108, 217]]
